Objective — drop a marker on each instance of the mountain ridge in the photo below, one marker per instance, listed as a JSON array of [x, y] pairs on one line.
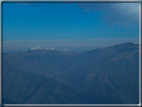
[[106, 72]]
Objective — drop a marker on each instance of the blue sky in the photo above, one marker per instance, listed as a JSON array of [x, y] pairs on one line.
[[66, 26], [40, 21]]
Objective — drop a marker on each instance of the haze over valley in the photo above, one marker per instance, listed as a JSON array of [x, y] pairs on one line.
[[69, 45]]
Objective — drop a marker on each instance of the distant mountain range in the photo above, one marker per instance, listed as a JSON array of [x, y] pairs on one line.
[[100, 76], [39, 48]]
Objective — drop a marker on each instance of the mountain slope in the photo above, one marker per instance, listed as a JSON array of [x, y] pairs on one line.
[[111, 72], [26, 87], [7, 101]]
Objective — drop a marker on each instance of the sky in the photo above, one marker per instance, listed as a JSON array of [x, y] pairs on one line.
[[24, 22]]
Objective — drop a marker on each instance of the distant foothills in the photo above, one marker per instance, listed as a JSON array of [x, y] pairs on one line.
[[47, 76]]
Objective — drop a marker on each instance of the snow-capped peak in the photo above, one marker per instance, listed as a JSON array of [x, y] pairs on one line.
[[35, 48]]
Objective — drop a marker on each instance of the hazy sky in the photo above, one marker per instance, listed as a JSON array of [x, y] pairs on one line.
[[52, 21], [39, 21]]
